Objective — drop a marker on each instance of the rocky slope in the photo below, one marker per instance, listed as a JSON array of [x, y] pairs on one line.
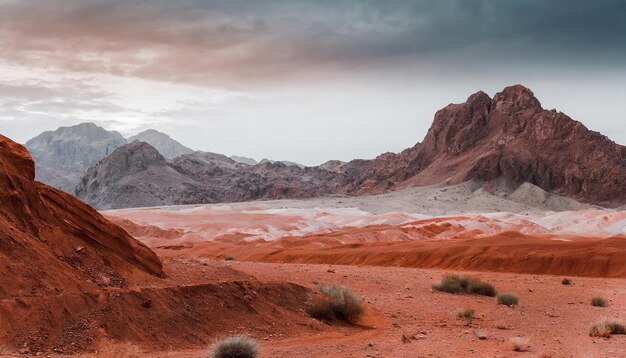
[[509, 139], [62, 156], [72, 282], [137, 175], [168, 147]]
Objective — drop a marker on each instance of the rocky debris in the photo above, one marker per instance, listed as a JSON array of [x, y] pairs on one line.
[[168, 147], [62, 156]]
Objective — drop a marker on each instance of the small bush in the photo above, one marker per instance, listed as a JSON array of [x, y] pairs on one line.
[[481, 288], [606, 329], [507, 299], [464, 284], [235, 347], [467, 315], [229, 258], [520, 344], [336, 302], [566, 281], [598, 301]]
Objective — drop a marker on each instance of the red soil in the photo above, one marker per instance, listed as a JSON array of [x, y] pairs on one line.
[[555, 319], [505, 252]]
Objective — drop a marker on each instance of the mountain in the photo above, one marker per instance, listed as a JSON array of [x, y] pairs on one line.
[[286, 162], [62, 156], [168, 147], [244, 160], [508, 139], [513, 137], [137, 175]]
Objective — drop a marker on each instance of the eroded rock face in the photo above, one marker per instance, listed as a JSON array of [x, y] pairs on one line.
[[508, 137], [62, 156], [51, 241], [512, 136]]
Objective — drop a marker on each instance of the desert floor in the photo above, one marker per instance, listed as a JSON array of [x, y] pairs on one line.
[[552, 319]]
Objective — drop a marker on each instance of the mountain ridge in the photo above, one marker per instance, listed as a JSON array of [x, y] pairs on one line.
[[510, 136]]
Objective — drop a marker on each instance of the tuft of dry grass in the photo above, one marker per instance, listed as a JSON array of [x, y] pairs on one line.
[[336, 302], [464, 284], [235, 347], [507, 299], [566, 281], [598, 301], [467, 315], [606, 328]]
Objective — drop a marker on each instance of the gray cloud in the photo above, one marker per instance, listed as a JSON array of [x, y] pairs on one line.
[[234, 40], [293, 79]]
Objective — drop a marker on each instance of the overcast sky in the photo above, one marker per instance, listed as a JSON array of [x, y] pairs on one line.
[[306, 81]]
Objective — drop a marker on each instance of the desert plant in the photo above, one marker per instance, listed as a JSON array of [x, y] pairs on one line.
[[481, 288], [507, 299], [566, 281], [606, 329], [467, 315], [229, 258], [235, 347], [598, 301], [520, 344], [464, 284], [336, 302]]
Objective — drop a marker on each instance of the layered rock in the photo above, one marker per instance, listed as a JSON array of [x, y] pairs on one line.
[[52, 242]]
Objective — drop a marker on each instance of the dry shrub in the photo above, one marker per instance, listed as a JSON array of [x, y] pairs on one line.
[[229, 258], [235, 347], [566, 281], [598, 301], [464, 284], [606, 329], [336, 302], [467, 315], [520, 344], [507, 299]]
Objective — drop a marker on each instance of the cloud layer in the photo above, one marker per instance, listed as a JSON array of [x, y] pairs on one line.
[[134, 64]]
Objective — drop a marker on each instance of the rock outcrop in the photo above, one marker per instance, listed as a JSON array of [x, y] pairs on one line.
[[62, 156], [509, 138], [168, 147], [51, 241]]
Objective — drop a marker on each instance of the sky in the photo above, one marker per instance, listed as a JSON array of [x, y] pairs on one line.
[[306, 81]]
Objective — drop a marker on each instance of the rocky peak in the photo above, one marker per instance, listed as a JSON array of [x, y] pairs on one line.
[[137, 155], [516, 98], [162, 142]]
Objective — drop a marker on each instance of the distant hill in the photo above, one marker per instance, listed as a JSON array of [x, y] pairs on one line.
[[168, 147], [62, 156], [244, 160]]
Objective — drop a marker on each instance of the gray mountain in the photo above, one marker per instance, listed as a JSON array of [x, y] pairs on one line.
[[62, 156], [168, 147], [286, 162], [244, 160]]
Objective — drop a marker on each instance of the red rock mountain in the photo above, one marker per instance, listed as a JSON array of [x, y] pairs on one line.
[[509, 137]]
